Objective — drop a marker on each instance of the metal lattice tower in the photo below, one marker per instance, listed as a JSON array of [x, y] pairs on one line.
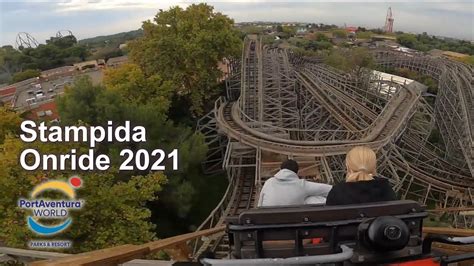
[[64, 33], [389, 21], [25, 40]]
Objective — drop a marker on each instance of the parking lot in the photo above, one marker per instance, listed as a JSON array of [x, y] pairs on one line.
[[28, 96]]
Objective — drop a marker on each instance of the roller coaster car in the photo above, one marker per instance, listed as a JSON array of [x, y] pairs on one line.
[[362, 234]]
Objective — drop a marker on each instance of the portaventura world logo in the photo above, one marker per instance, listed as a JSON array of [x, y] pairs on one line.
[[52, 209]]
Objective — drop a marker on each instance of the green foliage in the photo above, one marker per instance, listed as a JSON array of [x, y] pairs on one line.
[[9, 124], [350, 60], [184, 46], [410, 74], [27, 74], [364, 34], [57, 52], [130, 83], [468, 60], [338, 60], [339, 33], [424, 42], [289, 30], [62, 42], [118, 102], [322, 37], [114, 212], [310, 45], [107, 52], [408, 40], [12, 61], [113, 40]]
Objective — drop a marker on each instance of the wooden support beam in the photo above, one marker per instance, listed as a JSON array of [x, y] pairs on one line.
[[175, 240], [108, 256], [124, 253], [448, 231], [17, 252]]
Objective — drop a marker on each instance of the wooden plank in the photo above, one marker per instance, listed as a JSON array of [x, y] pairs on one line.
[[124, 253], [448, 231], [108, 256], [27, 253], [139, 262], [454, 249], [176, 240], [452, 209]]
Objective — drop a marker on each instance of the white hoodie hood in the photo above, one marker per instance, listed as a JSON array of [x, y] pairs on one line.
[[286, 188], [286, 175]]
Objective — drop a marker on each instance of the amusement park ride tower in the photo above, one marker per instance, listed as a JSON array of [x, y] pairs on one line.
[[389, 21]]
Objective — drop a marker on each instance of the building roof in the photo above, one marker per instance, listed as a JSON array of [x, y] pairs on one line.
[[351, 29], [7, 92], [58, 70], [86, 63], [118, 59], [48, 111]]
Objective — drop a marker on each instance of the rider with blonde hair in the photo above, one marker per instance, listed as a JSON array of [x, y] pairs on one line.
[[362, 184]]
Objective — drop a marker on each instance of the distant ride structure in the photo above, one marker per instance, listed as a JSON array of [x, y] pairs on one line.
[[389, 21], [64, 33], [25, 40]]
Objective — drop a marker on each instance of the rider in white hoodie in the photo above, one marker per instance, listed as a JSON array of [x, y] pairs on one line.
[[286, 188]]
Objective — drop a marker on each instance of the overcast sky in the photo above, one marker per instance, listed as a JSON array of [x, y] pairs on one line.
[[89, 18]]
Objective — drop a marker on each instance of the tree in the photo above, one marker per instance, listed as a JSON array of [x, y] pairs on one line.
[[130, 83], [62, 42], [184, 46], [338, 60], [289, 30], [95, 105], [107, 197], [364, 34], [27, 74], [96, 225], [79, 103], [360, 59], [354, 60], [9, 124], [425, 42], [340, 33], [321, 37], [12, 61]]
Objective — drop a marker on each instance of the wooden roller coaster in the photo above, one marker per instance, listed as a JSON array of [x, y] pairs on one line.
[[279, 105]]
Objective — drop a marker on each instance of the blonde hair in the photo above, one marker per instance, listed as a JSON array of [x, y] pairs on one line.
[[361, 163]]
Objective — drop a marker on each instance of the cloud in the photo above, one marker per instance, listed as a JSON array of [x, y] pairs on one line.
[[89, 18], [87, 5]]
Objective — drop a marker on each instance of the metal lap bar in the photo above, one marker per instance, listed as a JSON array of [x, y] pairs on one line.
[[346, 254]]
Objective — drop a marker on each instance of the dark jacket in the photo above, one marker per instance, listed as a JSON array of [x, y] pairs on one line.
[[374, 190]]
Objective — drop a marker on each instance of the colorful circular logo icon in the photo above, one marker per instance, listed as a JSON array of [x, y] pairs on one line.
[[52, 209]]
